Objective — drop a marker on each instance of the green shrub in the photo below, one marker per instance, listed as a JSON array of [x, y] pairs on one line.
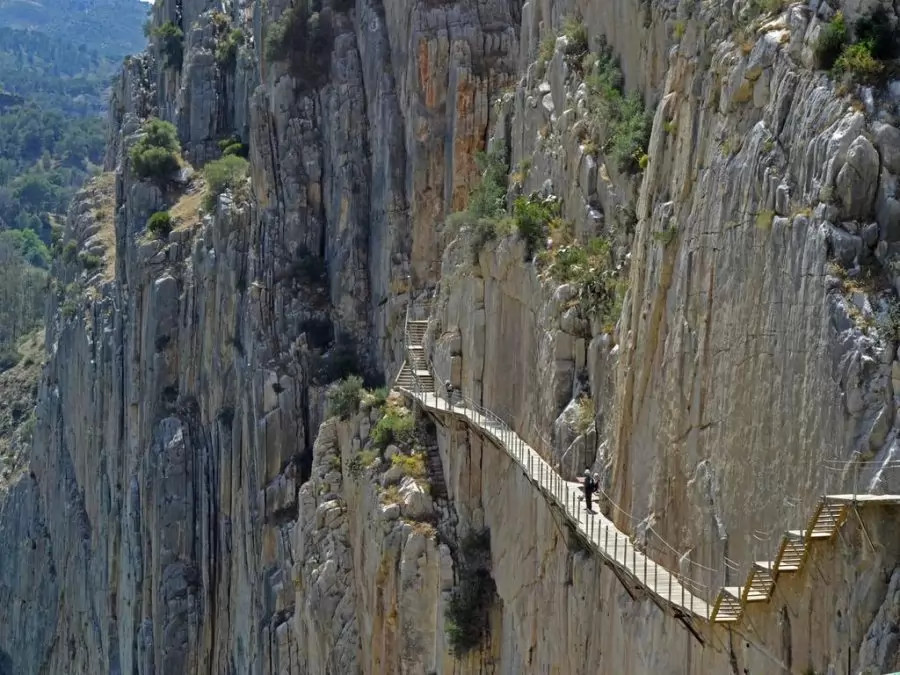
[[68, 309], [831, 41], [376, 398], [858, 62], [160, 224], [155, 163], [620, 126], [233, 146], [488, 199], [576, 33], [27, 427], [227, 46], [411, 465], [89, 261], [665, 236], [484, 214], [70, 251], [361, 462], [469, 609], [601, 286], [304, 39], [238, 149], [170, 41], [396, 426], [223, 174], [545, 53], [155, 155], [344, 397], [531, 217]]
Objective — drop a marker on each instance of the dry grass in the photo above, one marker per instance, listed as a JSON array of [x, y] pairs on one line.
[[103, 191], [186, 211]]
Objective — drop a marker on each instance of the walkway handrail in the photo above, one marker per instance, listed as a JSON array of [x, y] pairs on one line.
[[686, 596]]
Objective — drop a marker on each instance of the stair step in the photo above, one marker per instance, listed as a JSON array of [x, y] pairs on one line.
[[801, 534]]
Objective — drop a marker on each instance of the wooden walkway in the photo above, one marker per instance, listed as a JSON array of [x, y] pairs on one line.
[[674, 593]]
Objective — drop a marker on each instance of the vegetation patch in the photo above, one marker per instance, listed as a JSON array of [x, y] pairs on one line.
[[532, 217], [345, 396], [233, 146], [619, 125], [469, 609], [362, 461], [666, 235], [485, 216], [376, 398], [396, 426], [412, 465], [155, 155], [160, 224], [169, 39], [590, 268], [227, 173], [584, 417], [862, 58], [303, 38]]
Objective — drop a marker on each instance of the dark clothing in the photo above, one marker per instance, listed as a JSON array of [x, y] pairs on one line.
[[590, 487]]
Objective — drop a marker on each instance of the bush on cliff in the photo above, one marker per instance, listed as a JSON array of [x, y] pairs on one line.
[[228, 173], [396, 426], [303, 38], [169, 38], [832, 39], [155, 155], [485, 215], [344, 397], [619, 124], [160, 224]]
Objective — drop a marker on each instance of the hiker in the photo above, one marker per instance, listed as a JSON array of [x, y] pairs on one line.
[[590, 487]]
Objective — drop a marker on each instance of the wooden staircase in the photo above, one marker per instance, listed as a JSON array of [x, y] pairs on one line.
[[414, 373], [792, 554]]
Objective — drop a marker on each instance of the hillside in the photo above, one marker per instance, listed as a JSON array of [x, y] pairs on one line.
[[110, 28], [57, 61]]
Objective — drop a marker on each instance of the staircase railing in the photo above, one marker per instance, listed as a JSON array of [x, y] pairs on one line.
[[708, 601]]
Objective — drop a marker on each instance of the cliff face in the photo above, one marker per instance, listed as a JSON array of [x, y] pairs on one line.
[[186, 506]]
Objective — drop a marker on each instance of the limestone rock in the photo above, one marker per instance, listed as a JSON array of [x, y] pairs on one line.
[[858, 179]]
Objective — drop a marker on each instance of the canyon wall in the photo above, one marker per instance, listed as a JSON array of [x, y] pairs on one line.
[[190, 504]]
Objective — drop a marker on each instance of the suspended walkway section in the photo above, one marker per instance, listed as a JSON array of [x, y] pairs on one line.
[[677, 594]]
